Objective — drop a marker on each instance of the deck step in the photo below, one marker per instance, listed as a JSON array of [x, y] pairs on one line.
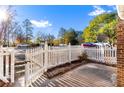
[[19, 68], [18, 62], [20, 65], [20, 71]]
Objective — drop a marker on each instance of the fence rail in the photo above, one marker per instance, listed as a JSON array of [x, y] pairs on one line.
[[42, 59], [7, 65]]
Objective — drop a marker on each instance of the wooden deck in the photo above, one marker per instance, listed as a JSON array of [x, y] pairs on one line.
[[88, 75], [2, 84]]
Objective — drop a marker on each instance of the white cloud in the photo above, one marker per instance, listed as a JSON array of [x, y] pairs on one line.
[[109, 11], [98, 10], [41, 23]]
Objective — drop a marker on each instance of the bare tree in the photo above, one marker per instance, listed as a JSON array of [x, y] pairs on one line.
[[6, 26]]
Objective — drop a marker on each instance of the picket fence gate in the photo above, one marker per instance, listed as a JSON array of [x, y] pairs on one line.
[[7, 65], [40, 59]]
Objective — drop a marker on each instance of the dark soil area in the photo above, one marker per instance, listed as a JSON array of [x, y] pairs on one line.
[[61, 69]]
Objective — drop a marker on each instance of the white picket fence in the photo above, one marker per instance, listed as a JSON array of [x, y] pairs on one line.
[[102, 54], [7, 65], [40, 59]]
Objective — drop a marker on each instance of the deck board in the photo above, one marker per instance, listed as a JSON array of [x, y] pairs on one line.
[[88, 75]]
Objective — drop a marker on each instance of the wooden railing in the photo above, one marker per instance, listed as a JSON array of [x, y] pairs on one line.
[[40, 59], [7, 65], [102, 54]]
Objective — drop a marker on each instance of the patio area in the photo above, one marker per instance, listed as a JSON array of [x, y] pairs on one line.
[[87, 75]]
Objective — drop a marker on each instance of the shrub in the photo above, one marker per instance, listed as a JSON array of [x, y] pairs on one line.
[[83, 56]]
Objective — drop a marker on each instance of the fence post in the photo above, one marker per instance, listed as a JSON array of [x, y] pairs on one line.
[[12, 66], [1, 62], [27, 73], [69, 48], [7, 64], [46, 56], [102, 54], [27, 68]]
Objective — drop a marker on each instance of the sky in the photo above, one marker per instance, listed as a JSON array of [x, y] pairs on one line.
[[50, 18]]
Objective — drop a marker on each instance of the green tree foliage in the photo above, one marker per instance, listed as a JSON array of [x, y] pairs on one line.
[[38, 40], [62, 32], [110, 31], [88, 35], [67, 36], [79, 37], [50, 39], [101, 25], [56, 42], [71, 37], [61, 35]]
